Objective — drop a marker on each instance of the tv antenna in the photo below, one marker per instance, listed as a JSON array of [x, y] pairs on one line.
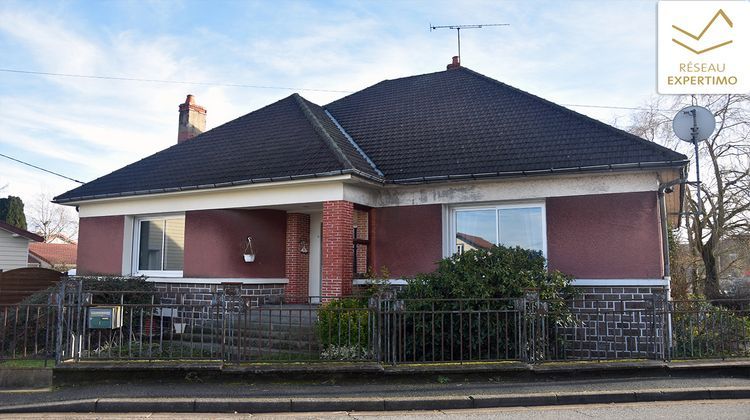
[[458, 31]]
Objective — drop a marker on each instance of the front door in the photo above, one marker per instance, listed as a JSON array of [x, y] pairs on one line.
[[316, 254]]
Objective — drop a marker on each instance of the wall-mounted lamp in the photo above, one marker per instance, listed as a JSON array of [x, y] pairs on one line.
[[249, 254], [303, 247]]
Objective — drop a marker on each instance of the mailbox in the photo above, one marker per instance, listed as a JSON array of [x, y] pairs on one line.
[[105, 317]]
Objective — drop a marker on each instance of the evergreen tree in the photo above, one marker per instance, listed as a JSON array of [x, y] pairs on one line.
[[11, 211]]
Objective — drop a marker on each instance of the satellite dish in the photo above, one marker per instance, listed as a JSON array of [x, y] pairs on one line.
[[693, 124]]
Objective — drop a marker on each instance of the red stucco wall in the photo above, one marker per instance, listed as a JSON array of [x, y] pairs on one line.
[[215, 241], [100, 245], [605, 236], [407, 240]]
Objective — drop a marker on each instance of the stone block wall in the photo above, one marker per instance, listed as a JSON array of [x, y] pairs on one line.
[[203, 295], [615, 323]]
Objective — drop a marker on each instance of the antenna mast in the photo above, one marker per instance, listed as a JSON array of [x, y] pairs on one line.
[[458, 31]]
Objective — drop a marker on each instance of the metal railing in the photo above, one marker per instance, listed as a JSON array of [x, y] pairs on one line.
[[442, 330], [232, 328], [27, 331]]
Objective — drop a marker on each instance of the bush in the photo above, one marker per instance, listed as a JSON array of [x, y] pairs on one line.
[[344, 324], [108, 289], [703, 329], [483, 286], [498, 272]]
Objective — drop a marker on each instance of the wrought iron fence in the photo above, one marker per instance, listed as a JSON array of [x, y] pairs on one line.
[[27, 331], [440, 330], [78, 325], [710, 329]]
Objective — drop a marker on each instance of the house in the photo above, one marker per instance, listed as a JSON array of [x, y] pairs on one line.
[[397, 175], [14, 246], [57, 256]]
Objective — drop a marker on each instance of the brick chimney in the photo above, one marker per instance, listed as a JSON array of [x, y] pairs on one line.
[[455, 64], [192, 120]]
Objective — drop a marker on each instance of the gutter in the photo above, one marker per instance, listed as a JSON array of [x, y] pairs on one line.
[[250, 181], [610, 167]]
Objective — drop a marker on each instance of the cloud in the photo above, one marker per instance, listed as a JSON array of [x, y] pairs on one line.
[[87, 128]]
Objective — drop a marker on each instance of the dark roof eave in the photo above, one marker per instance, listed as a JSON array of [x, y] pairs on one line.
[[403, 181], [490, 175], [356, 172]]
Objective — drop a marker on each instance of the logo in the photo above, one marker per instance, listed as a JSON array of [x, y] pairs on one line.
[[702, 47], [703, 32]]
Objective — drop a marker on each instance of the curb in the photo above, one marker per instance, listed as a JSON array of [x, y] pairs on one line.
[[277, 405], [208, 372], [25, 378]]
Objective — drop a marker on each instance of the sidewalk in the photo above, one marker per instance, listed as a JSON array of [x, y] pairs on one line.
[[360, 393]]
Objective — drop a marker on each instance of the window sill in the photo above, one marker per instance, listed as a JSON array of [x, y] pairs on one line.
[[208, 280], [391, 282], [620, 282]]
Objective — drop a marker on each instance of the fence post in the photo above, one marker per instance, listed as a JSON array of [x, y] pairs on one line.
[[59, 323], [375, 329], [530, 303], [656, 325]]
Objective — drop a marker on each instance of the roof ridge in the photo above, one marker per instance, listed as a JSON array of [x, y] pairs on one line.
[[353, 143], [629, 136], [322, 133]]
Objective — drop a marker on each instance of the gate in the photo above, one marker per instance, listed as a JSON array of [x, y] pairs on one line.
[[70, 320]]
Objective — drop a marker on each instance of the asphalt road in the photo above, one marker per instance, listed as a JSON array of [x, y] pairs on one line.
[[417, 388], [683, 410]]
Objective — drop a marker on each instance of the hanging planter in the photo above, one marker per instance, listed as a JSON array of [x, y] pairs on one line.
[[249, 254]]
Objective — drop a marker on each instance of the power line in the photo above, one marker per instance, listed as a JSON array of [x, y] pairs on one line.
[[240, 85], [41, 169], [177, 82]]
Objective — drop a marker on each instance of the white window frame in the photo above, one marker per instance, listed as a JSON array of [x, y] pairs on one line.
[[137, 243], [453, 210]]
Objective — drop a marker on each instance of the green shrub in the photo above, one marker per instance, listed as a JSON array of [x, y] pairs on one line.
[[701, 329], [482, 286], [344, 323], [108, 289], [498, 272]]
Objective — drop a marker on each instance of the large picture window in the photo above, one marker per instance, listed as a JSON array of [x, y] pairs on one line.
[[159, 245], [510, 225]]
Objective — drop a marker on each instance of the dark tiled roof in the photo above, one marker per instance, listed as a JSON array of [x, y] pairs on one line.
[[449, 124], [459, 122], [291, 138]]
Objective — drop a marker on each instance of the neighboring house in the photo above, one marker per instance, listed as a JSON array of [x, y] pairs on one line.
[[466, 242], [395, 175], [60, 238], [61, 257], [14, 246]]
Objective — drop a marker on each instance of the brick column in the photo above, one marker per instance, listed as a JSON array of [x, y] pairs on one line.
[[297, 268], [338, 248]]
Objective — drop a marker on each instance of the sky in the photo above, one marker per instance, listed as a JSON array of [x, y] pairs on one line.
[[570, 52]]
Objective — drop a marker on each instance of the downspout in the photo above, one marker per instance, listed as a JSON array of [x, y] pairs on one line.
[[664, 227], [665, 253]]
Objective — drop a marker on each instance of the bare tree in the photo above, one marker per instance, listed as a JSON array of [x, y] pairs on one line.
[[724, 211], [52, 221]]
